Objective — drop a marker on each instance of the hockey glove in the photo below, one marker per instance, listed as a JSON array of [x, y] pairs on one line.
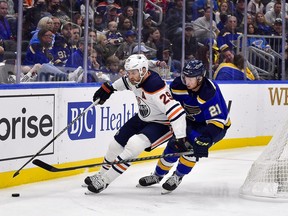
[[103, 93], [181, 145], [201, 146]]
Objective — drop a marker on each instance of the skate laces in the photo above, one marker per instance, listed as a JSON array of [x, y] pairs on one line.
[[95, 177], [174, 179], [152, 179], [98, 182]]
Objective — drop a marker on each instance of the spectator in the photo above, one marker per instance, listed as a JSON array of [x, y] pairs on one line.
[[32, 17], [147, 24], [114, 37], [262, 25], [62, 47], [45, 22], [56, 25], [190, 46], [39, 52], [92, 34], [78, 19], [223, 10], [199, 5], [240, 12], [172, 68], [112, 68], [228, 71], [76, 33], [92, 4], [112, 14], [258, 42], [54, 7], [104, 7], [276, 43], [173, 20], [202, 26], [95, 65], [203, 54], [229, 34], [103, 48], [76, 59], [125, 24], [98, 23], [5, 28], [255, 6], [128, 12], [156, 41], [270, 16], [250, 20], [125, 49]]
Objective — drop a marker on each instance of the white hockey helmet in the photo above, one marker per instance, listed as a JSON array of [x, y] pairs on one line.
[[136, 61]]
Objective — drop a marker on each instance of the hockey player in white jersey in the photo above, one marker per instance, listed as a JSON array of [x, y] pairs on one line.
[[158, 117]]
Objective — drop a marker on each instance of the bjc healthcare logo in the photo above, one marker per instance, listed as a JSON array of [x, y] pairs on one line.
[[85, 127]]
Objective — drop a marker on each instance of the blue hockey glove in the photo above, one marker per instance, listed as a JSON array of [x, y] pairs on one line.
[[201, 145], [103, 93]]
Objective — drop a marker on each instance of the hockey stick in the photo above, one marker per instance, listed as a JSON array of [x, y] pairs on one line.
[[54, 138], [51, 168]]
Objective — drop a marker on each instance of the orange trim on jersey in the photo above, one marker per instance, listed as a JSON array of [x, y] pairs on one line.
[[174, 113]]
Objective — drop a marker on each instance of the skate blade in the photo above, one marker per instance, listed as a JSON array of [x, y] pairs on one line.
[[164, 192], [84, 185], [140, 186], [89, 193]]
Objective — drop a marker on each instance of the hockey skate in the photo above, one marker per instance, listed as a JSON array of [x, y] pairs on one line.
[[88, 180], [149, 180], [171, 183], [98, 184]]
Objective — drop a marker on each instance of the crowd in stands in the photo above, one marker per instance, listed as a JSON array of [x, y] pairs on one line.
[[53, 37]]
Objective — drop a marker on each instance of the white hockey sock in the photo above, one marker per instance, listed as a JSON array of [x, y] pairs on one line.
[[113, 151]]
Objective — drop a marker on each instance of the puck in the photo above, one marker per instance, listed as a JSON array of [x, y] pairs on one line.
[[15, 195]]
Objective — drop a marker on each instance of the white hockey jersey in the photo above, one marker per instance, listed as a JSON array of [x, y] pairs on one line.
[[155, 102]]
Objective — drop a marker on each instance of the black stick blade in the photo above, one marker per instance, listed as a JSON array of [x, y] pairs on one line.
[[44, 165]]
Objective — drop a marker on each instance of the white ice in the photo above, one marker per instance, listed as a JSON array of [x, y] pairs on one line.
[[211, 189]]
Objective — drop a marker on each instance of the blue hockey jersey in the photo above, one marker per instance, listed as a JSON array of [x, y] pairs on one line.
[[204, 107]]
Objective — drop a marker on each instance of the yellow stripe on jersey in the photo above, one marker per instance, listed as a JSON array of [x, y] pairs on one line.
[[179, 92], [201, 101], [186, 162], [216, 123]]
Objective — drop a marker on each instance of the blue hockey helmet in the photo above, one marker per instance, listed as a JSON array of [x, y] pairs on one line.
[[194, 68]]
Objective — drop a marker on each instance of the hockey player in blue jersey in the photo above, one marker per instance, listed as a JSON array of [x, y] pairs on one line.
[[207, 122], [159, 117]]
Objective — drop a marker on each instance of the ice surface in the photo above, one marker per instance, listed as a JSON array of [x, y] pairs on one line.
[[211, 189]]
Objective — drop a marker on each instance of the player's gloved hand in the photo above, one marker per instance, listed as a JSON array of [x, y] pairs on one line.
[[182, 145], [103, 93], [201, 145]]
